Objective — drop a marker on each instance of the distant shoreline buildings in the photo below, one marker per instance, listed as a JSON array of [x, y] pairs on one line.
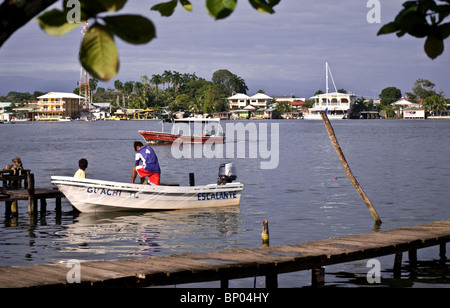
[[60, 106]]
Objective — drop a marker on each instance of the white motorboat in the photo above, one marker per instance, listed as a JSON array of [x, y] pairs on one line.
[[88, 195]]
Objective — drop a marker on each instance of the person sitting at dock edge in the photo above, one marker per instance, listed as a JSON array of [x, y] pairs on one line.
[[82, 165], [150, 165]]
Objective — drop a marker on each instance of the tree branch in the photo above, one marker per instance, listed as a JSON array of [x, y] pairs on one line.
[[16, 13]]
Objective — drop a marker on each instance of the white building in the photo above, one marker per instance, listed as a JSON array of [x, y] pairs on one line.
[[412, 113], [5, 116], [337, 104], [260, 100], [240, 101]]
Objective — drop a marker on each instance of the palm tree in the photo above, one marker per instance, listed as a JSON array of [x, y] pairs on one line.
[[435, 104], [92, 86], [156, 80], [176, 79], [167, 78], [118, 85]]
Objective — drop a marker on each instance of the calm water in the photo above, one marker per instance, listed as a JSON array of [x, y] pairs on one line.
[[401, 165]]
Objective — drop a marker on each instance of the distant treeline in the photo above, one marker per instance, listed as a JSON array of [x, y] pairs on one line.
[[176, 90]]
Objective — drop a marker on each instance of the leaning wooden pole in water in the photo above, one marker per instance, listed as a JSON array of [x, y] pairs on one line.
[[344, 163]]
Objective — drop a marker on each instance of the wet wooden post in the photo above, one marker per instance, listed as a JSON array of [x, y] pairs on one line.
[[224, 283], [32, 202], [265, 234], [271, 279], [344, 163], [318, 276], [191, 179], [398, 265], [412, 257], [8, 209], [43, 205], [14, 208], [58, 205], [442, 252]]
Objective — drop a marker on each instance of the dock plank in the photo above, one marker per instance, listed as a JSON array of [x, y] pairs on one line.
[[230, 264]]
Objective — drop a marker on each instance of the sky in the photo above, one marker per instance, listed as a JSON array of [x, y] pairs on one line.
[[283, 53]]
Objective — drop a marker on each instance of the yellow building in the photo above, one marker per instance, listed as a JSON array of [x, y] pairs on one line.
[[58, 106]]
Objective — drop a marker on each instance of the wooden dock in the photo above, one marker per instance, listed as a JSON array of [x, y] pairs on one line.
[[20, 185], [234, 263]]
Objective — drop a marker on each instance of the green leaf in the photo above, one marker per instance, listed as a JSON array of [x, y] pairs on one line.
[[445, 30], [55, 22], [133, 29], [166, 9], [434, 47], [98, 53], [263, 6], [187, 5], [388, 28], [220, 9]]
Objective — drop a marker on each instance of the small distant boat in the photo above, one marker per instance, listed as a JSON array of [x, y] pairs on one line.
[[21, 120], [88, 195], [211, 132], [66, 119]]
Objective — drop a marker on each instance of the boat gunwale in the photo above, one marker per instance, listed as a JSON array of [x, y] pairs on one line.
[[71, 181]]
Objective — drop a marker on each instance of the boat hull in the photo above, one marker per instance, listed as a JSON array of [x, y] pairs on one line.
[[167, 138], [88, 195], [317, 116]]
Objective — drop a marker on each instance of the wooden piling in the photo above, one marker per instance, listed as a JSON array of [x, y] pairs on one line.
[[442, 252], [347, 169], [14, 208], [191, 179], [265, 233], [318, 276], [398, 265], [412, 257], [32, 202], [271, 279]]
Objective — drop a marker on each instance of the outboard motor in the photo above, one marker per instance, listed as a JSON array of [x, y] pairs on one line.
[[227, 174]]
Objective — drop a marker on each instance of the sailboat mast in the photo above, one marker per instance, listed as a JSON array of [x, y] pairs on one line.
[[326, 71]]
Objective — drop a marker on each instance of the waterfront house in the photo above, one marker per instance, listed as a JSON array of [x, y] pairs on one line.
[[4, 106], [336, 103], [295, 102], [404, 103], [238, 101], [260, 100], [5, 115], [55, 106], [413, 109], [414, 113]]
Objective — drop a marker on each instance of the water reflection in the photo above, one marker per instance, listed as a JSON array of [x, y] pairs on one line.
[[133, 234], [401, 165]]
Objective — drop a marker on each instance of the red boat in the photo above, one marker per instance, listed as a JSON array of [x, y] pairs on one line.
[[211, 132]]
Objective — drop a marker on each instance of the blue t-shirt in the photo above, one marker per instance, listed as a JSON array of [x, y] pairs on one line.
[[148, 158]]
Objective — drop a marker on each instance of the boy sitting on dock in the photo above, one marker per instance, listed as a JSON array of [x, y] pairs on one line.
[[150, 165]]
